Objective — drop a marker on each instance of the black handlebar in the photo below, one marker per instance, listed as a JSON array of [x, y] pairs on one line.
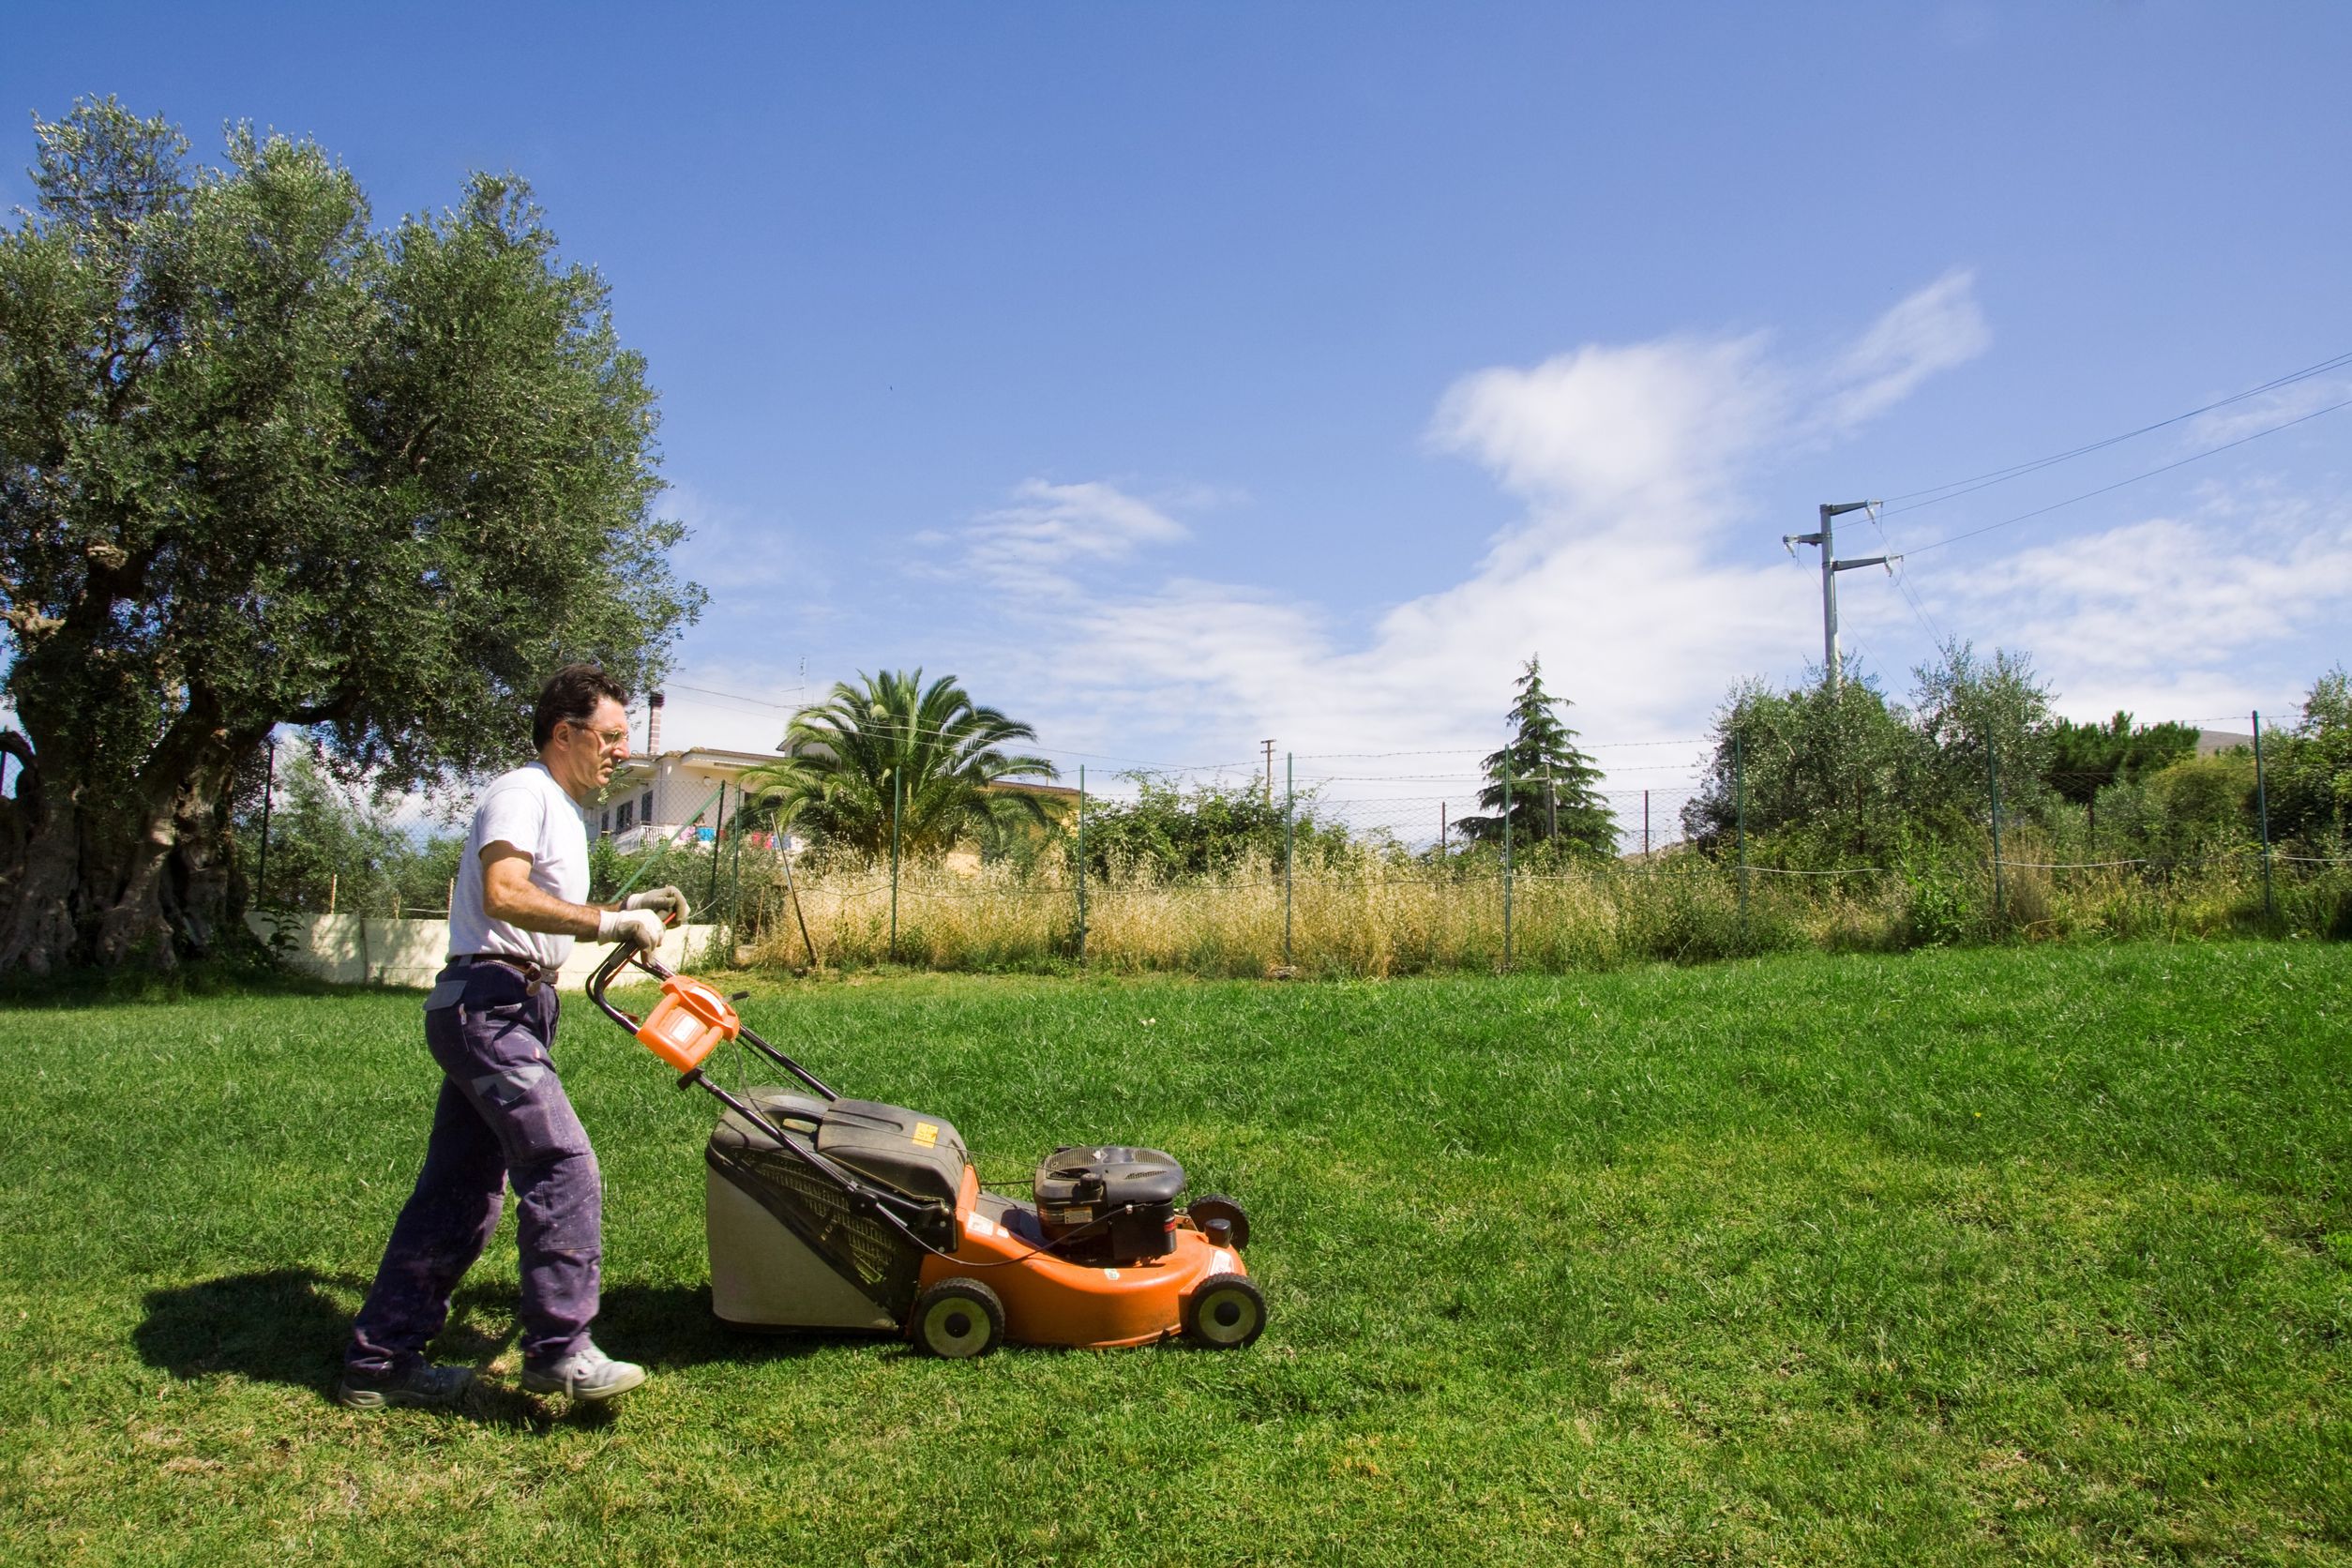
[[627, 953]]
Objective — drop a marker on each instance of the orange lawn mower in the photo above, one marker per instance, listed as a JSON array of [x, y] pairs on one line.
[[824, 1213]]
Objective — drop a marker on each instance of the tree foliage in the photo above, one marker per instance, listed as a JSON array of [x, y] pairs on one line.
[[332, 845], [1836, 775], [1986, 721], [1171, 832], [890, 751], [260, 464], [1847, 776], [2308, 770], [2194, 807], [2085, 759], [1552, 793]]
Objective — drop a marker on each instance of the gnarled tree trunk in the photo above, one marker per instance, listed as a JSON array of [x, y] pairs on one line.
[[92, 877]]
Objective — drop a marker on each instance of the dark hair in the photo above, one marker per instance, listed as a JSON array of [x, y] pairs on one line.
[[571, 694]]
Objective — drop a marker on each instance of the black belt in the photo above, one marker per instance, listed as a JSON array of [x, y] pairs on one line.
[[534, 975]]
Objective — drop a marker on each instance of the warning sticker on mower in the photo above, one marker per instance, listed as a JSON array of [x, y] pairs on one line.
[[1220, 1261], [927, 1135]]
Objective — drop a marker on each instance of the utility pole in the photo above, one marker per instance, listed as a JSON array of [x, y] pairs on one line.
[[1269, 745], [1830, 566]]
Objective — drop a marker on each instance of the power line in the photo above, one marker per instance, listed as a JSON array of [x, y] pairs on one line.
[[2194, 456], [1901, 579], [1481, 750], [736, 696], [1963, 486]]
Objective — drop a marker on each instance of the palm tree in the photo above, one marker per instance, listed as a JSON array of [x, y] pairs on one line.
[[891, 747]]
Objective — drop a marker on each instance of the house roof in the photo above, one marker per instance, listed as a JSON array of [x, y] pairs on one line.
[[696, 757]]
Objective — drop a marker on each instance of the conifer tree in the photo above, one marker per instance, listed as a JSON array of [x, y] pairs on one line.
[[1554, 793]]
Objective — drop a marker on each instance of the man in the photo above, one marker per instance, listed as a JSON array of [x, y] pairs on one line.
[[503, 1116]]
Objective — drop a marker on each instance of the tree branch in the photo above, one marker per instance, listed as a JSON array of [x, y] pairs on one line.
[[342, 706], [21, 748], [416, 460]]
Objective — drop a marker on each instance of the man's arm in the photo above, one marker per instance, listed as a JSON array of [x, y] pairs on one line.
[[508, 894]]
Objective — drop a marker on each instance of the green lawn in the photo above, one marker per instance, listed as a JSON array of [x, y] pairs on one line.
[[1960, 1257]]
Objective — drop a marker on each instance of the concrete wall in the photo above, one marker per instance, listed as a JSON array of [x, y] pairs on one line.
[[362, 950]]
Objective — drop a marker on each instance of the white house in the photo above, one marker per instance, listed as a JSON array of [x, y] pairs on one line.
[[675, 796], [672, 795]]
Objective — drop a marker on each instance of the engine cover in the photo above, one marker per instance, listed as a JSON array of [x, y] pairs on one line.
[[1109, 1204]]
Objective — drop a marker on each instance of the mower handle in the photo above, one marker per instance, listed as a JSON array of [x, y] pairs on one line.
[[626, 953]]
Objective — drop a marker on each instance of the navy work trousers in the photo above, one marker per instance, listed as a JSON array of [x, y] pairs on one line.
[[503, 1116]]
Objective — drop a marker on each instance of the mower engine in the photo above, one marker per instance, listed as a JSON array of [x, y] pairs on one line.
[[1113, 1204]]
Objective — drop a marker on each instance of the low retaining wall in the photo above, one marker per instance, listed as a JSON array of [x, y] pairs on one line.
[[360, 950]]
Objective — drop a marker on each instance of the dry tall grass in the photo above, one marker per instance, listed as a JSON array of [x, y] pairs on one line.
[[1381, 917]]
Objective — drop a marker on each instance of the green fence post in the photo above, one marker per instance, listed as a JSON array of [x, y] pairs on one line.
[[269, 787], [1289, 819], [712, 954], [719, 826], [2262, 815], [1506, 872], [734, 889], [1081, 867], [1740, 826], [791, 889], [896, 790], [1993, 776]]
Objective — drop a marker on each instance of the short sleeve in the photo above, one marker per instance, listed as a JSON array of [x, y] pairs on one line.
[[512, 816]]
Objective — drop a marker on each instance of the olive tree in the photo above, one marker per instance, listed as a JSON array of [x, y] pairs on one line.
[[263, 464]]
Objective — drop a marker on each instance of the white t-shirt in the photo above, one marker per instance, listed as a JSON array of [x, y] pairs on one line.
[[528, 809]]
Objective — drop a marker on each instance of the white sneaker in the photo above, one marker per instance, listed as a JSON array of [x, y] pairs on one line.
[[587, 1373]]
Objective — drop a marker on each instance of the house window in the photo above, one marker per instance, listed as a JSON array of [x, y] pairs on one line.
[[645, 807], [628, 815], [604, 824]]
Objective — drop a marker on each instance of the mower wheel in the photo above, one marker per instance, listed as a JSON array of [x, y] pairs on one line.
[[956, 1319], [1215, 1205], [1225, 1314]]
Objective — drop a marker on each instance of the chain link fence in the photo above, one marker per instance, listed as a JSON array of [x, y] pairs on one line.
[[1365, 866]]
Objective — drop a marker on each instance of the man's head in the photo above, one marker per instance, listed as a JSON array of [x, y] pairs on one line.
[[580, 728]]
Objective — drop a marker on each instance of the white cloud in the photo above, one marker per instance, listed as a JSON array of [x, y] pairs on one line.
[[1592, 428], [1935, 329], [751, 554], [1628, 459], [1629, 466], [2169, 616], [2243, 419], [1050, 532]]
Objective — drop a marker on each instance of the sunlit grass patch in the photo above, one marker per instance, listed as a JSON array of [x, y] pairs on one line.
[[1952, 1257]]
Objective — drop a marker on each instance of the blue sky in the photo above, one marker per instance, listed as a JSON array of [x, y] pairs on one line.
[[1182, 375]]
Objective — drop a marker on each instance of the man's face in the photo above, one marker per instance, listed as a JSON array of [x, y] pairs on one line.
[[581, 756]]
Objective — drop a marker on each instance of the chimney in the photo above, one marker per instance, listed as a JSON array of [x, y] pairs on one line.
[[653, 725]]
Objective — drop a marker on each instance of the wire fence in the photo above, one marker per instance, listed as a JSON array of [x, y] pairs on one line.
[[1366, 864]]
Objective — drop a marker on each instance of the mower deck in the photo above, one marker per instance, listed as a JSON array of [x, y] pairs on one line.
[[1051, 1301]]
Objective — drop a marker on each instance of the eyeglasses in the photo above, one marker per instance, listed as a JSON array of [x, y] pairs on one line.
[[611, 738]]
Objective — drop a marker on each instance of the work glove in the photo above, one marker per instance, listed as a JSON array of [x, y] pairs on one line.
[[662, 900], [638, 928]]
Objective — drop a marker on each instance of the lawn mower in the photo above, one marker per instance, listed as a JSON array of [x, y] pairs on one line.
[[826, 1213]]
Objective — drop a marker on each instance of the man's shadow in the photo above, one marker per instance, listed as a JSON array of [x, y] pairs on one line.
[[290, 1326]]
